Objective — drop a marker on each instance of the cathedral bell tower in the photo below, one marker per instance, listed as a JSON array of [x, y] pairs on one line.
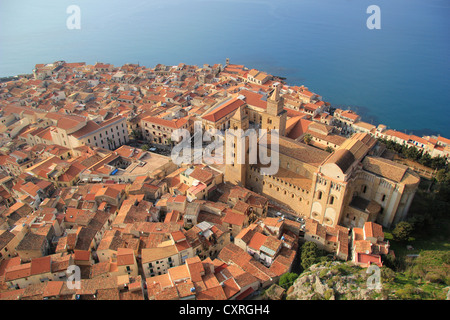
[[275, 115], [237, 147]]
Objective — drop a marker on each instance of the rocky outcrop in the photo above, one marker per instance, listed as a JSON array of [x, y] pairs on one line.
[[333, 281]]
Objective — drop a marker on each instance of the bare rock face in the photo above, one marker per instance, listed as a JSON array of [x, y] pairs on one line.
[[332, 281]]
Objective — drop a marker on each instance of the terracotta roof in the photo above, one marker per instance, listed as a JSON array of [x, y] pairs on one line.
[[397, 134], [53, 288], [195, 268], [385, 168], [214, 293], [179, 273], [125, 257], [254, 99], [257, 241], [174, 124], [67, 122], [234, 218], [40, 265], [224, 110], [374, 230], [18, 271], [363, 246], [88, 128]]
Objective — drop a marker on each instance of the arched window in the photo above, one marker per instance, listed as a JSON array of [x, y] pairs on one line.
[[331, 199], [383, 198], [364, 188], [319, 195]]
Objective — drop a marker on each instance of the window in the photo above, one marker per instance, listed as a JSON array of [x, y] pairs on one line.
[[383, 198], [364, 188], [331, 200], [319, 195]]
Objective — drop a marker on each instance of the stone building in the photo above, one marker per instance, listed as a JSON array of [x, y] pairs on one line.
[[348, 187]]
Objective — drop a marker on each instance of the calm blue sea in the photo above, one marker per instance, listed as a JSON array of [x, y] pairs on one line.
[[398, 75]]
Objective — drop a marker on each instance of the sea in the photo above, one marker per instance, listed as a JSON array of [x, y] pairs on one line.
[[397, 75]]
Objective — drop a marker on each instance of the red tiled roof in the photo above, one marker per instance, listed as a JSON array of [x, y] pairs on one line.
[[53, 288], [367, 259], [254, 99], [41, 265], [257, 241], [175, 124], [234, 218], [224, 110], [125, 256]]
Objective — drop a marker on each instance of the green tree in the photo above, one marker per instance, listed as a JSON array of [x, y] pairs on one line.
[[329, 149], [307, 138], [425, 160], [402, 231], [439, 163], [441, 176], [145, 147], [412, 153], [287, 279], [135, 134], [309, 254]]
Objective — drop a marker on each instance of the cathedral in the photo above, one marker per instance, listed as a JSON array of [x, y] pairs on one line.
[[348, 187]]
